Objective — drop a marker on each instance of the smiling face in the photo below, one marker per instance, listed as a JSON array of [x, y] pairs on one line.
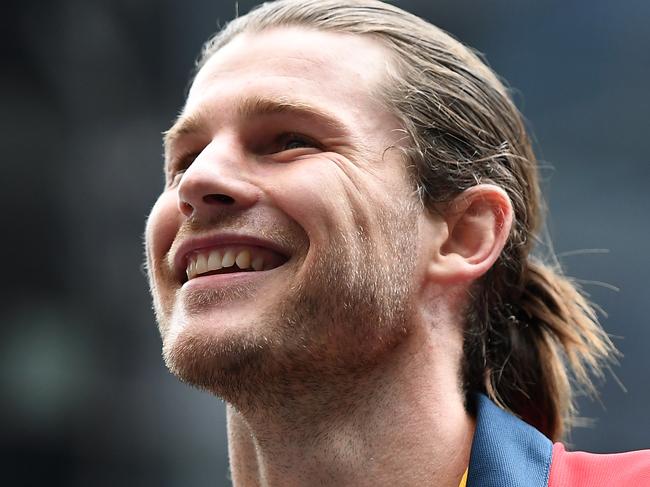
[[285, 243]]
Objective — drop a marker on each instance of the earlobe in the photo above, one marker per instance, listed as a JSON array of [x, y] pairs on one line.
[[478, 224]]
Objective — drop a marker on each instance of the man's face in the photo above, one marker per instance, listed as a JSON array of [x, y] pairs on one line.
[[285, 161]]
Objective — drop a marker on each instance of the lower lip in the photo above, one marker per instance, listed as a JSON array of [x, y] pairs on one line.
[[217, 281]]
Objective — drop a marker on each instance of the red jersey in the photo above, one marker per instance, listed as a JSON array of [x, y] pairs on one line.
[[507, 452]]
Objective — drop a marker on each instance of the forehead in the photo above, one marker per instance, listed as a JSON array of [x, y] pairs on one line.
[[342, 71]]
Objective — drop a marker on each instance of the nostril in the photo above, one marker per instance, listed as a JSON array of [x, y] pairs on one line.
[[224, 199], [186, 208]]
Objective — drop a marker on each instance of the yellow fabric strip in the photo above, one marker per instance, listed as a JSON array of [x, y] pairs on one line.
[[463, 481]]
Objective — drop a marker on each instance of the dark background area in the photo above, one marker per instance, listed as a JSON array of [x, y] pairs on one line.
[[88, 86]]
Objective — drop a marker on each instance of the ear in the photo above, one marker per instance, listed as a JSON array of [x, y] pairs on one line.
[[478, 223]]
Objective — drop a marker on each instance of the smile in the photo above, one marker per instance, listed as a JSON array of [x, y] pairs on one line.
[[231, 259]]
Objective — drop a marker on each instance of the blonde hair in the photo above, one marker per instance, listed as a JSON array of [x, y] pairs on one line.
[[531, 337]]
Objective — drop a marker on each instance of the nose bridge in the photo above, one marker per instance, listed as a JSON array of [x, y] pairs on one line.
[[218, 179], [220, 156]]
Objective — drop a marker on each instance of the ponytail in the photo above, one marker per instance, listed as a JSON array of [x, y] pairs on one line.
[[529, 351]]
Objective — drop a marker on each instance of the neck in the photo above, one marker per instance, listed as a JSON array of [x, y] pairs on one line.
[[405, 424]]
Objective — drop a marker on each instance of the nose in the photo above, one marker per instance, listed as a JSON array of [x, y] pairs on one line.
[[216, 182]]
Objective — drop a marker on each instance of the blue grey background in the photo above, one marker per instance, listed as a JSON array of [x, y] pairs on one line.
[[87, 87]]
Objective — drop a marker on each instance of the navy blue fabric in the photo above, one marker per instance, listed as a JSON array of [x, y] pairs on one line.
[[507, 452]]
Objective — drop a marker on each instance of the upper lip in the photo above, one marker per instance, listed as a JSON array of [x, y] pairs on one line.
[[192, 244]]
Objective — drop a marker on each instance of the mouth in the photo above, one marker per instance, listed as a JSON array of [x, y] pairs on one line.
[[230, 259]]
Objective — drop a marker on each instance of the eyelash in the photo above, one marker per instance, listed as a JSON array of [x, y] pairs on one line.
[[292, 137], [185, 160], [179, 165]]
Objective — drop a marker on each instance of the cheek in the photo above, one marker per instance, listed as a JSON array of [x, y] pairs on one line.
[[161, 228], [330, 197], [315, 196]]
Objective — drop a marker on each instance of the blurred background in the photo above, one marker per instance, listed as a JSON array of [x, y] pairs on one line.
[[88, 86]]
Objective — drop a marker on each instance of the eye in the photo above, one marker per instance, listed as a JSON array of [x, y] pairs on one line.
[[293, 141], [178, 167]]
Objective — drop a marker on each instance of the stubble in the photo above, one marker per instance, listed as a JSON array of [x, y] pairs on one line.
[[328, 332]]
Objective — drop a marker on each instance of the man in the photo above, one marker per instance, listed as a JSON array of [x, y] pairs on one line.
[[342, 253]]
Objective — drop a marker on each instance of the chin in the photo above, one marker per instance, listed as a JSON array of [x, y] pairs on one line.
[[206, 356], [220, 349], [265, 360]]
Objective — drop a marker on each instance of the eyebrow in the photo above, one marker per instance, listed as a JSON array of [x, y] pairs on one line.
[[247, 108]]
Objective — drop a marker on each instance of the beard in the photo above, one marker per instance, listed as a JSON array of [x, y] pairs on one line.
[[336, 323]]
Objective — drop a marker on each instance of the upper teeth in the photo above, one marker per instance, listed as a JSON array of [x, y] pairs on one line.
[[212, 260]]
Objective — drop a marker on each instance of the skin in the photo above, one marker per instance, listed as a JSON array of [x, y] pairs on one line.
[[341, 366]]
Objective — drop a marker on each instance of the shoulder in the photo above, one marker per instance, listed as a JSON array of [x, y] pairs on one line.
[[507, 452], [570, 469]]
